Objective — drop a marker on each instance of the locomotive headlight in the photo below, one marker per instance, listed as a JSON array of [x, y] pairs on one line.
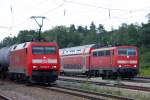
[[120, 66], [54, 67], [134, 65], [34, 67]]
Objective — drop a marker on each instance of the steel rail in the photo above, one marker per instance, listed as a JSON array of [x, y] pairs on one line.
[[3, 97], [85, 93], [146, 89]]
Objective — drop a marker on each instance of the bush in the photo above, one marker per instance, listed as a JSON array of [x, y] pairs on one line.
[[144, 62]]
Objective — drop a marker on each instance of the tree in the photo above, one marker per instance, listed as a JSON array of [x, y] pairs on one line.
[[26, 35], [133, 34], [145, 35], [72, 28], [148, 16], [101, 29], [93, 27], [8, 41], [80, 29]]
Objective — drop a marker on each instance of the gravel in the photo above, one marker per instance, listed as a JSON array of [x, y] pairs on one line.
[[23, 92]]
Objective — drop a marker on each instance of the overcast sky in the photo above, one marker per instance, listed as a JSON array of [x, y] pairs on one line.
[[15, 14]]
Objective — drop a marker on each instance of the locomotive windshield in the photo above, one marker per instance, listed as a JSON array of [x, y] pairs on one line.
[[127, 51], [43, 50]]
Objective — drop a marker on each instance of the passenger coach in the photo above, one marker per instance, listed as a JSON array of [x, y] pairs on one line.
[[104, 61]]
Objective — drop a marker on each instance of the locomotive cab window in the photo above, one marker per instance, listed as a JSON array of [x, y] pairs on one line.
[[127, 51], [131, 52], [43, 50], [122, 52], [50, 50]]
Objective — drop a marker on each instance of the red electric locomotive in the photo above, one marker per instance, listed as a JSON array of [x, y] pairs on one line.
[[34, 61], [95, 60]]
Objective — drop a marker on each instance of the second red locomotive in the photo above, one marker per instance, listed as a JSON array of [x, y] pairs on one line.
[[32, 61], [95, 60]]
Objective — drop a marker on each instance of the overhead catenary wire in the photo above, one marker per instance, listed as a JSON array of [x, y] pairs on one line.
[[83, 4], [89, 5], [65, 11], [106, 8], [53, 9]]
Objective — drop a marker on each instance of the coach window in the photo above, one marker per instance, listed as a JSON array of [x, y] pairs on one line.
[[100, 53], [107, 52], [95, 53]]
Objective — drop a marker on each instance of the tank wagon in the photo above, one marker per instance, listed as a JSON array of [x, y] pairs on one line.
[[32, 61], [104, 61]]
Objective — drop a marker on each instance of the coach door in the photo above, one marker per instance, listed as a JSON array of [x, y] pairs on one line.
[[107, 60], [111, 57]]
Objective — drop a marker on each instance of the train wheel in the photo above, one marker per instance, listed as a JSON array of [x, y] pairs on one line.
[[130, 78], [103, 76], [114, 77], [51, 84], [29, 81]]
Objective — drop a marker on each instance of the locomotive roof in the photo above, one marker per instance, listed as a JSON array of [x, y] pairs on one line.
[[24, 45], [83, 49], [76, 50], [19, 46]]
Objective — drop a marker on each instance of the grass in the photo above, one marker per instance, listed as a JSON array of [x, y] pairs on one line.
[[144, 62], [145, 72], [120, 92]]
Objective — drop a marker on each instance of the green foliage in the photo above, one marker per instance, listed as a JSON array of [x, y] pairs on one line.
[[72, 36], [26, 35], [93, 28], [144, 60], [145, 35], [8, 41], [145, 72]]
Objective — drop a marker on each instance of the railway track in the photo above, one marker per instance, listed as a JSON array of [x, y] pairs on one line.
[[142, 77], [85, 94], [118, 85], [3, 97]]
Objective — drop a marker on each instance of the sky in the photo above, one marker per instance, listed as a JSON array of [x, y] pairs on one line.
[[15, 14]]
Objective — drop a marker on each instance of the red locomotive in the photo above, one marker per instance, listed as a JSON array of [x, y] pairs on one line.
[[33, 61], [104, 61]]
